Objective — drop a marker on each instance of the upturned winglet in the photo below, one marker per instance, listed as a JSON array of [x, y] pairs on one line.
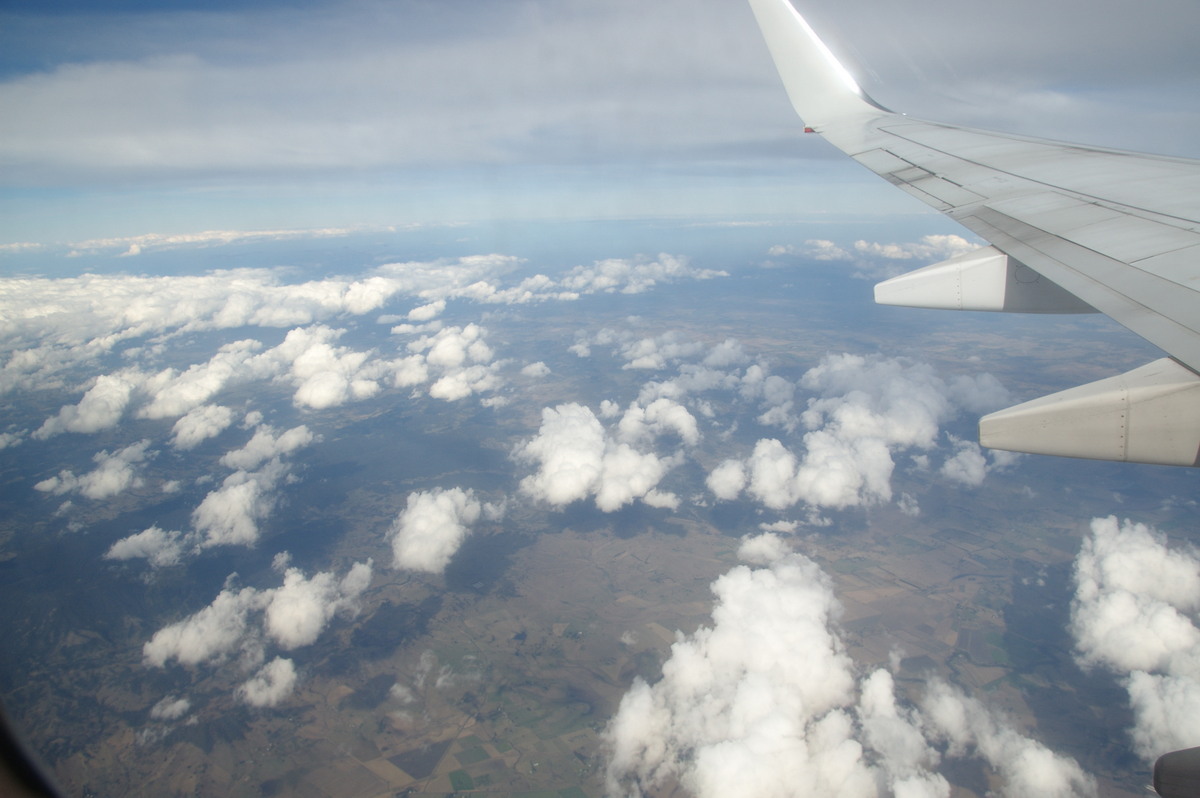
[[821, 90]]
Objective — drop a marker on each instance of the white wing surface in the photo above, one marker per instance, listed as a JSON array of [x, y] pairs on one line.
[[1072, 229]]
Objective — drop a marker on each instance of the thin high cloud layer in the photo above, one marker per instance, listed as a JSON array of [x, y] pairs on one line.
[[515, 82], [538, 80], [767, 702], [239, 627], [1136, 613], [862, 410]]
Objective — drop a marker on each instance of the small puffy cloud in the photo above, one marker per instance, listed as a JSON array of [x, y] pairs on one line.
[[297, 611], [659, 351], [209, 635], [431, 528], [1134, 597], [813, 249], [229, 515], [690, 379], [427, 312], [967, 466], [727, 480], [763, 549], [159, 547], [325, 375], [173, 393], [114, 473], [569, 450], [1027, 767], [460, 359], [243, 623], [200, 424], [896, 733], [633, 276], [170, 708], [627, 474], [576, 458], [725, 354], [930, 247], [274, 682], [463, 382], [453, 347], [664, 500], [266, 445], [660, 417], [1135, 613], [100, 408], [538, 369]]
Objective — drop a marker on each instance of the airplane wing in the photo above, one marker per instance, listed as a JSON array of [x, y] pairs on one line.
[[1072, 229]]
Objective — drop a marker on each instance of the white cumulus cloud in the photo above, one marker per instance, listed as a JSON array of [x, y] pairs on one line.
[[863, 409], [200, 424], [229, 515], [577, 458], [160, 547], [1135, 613], [100, 408], [265, 445], [766, 702], [242, 624], [430, 529], [274, 682], [114, 473]]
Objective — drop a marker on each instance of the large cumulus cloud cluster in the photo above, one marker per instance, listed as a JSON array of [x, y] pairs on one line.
[[861, 410], [841, 425], [1136, 613], [242, 624], [767, 702]]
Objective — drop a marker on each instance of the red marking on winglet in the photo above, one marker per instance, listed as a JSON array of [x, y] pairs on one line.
[[810, 129]]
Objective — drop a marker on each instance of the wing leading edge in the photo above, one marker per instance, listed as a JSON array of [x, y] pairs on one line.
[[1072, 229]]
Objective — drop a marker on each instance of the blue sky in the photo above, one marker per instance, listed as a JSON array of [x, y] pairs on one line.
[[174, 118]]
